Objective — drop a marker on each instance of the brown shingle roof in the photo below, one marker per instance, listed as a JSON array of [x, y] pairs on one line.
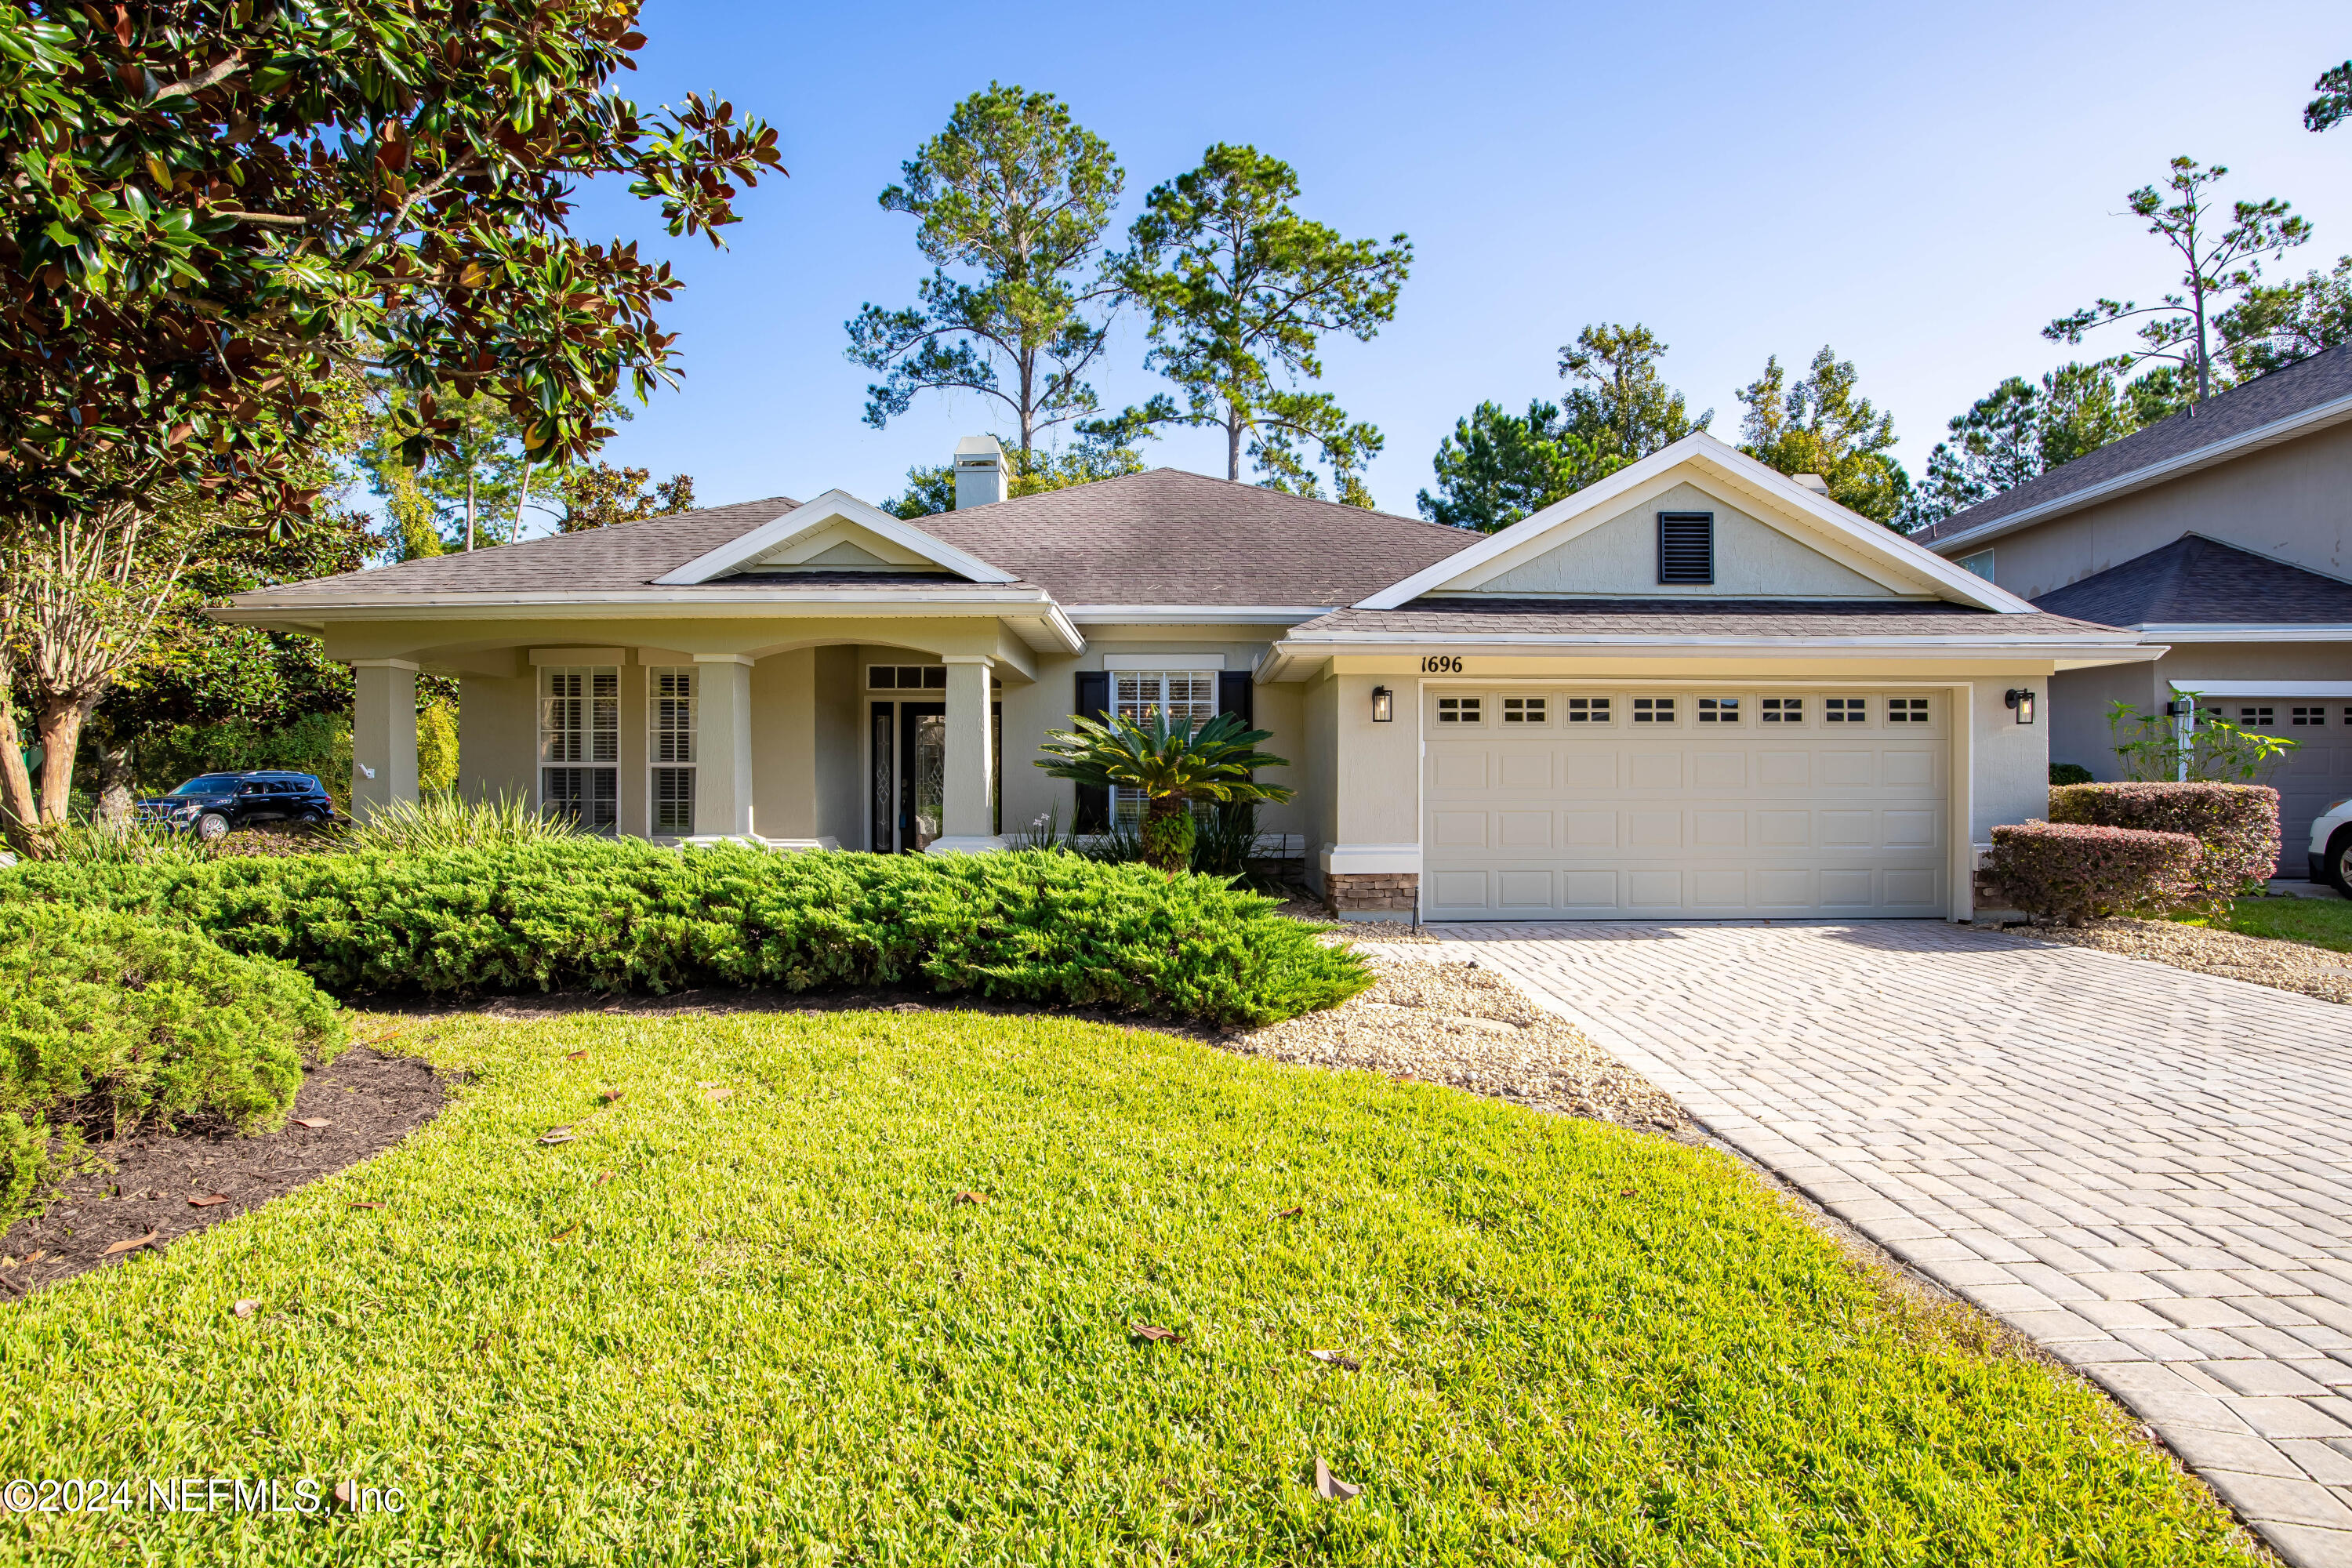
[[1168, 537], [2325, 377], [2196, 581], [596, 559], [1694, 618]]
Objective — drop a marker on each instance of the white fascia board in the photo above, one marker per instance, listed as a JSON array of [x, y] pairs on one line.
[[746, 548], [1323, 645], [1196, 615], [679, 603], [1702, 450], [2260, 436], [2331, 688], [2223, 631]]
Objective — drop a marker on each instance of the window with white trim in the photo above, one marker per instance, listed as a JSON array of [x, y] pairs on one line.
[[1523, 710], [1980, 563], [580, 745], [906, 678], [1588, 710], [1718, 709], [1187, 697], [1784, 711], [1907, 711], [1654, 710], [2301, 717], [671, 721], [1847, 710]]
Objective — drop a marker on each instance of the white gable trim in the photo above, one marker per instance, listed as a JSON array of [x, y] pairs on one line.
[[1858, 538], [745, 549]]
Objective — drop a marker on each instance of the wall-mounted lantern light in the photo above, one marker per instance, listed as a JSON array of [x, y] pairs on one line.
[[1383, 705], [2021, 702], [2180, 708]]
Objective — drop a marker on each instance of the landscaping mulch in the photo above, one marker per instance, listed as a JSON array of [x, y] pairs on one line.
[[1454, 1023], [2261, 961], [368, 1101]]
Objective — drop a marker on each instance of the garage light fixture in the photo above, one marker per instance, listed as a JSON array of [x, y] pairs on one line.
[[1383, 705], [2021, 702]]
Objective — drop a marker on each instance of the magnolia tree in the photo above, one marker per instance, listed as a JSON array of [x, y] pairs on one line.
[[215, 207]]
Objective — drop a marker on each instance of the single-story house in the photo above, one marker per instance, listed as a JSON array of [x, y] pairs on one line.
[[2226, 536], [1696, 689]]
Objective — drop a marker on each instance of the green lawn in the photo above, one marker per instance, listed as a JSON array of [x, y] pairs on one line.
[[2322, 922], [776, 1336]]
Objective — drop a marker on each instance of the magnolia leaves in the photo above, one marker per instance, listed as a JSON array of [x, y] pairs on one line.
[[208, 1200], [312, 1121], [133, 1245], [1152, 1333], [1330, 1487]]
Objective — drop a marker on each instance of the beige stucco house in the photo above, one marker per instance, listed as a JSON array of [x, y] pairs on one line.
[[1697, 689], [2225, 536]]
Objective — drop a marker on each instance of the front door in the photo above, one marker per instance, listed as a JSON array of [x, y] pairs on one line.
[[922, 772]]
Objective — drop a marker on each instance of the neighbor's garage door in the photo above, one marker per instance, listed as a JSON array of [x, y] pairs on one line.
[[2311, 777], [1593, 803]]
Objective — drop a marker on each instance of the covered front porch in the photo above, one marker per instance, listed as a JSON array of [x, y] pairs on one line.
[[881, 736]]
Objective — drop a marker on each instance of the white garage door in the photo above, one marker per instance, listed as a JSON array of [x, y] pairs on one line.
[[1592, 803]]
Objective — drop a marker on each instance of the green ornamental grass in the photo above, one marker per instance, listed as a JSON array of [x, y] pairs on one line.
[[828, 1288]]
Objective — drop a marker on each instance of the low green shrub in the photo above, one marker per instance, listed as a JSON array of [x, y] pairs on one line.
[[625, 915], [2068, 773], [2236, 824], [2071, 873], [108, 1018]]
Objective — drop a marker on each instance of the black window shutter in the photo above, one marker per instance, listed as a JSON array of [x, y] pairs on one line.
[[1686, 547], [1235, 692], [1092, 814]]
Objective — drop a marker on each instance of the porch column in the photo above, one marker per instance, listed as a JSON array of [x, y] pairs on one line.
[[722, 756], [968, 824], [383, 734]]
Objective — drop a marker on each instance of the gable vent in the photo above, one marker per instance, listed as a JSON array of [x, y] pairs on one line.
[[1686, 547]]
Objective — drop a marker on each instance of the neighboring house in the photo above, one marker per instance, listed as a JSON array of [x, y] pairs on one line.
[[1696, 689], [2225, 536]]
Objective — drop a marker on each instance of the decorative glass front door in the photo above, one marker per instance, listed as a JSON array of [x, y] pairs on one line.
[[923, 786]]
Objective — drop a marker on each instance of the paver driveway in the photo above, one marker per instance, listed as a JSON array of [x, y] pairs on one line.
[[2146, 1169]]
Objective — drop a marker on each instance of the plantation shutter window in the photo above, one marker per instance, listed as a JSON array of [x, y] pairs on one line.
[[1686, 547], [670, 716], [580, 745], [1188, 697]]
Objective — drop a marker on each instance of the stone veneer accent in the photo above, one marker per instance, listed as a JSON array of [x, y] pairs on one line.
[[1391, 892]]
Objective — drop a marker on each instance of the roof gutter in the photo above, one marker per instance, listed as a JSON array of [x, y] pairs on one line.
[[1280, 658], [2260, 436], [1197, 615]]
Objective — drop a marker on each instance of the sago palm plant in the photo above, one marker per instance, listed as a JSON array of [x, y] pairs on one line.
[[1170, 766]]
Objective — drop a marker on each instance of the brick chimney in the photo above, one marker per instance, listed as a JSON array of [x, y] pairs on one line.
[[981, 475]]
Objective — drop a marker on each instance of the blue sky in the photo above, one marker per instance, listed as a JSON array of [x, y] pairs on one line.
[[1921, 187]]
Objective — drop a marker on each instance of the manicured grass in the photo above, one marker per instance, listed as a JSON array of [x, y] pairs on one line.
[[2322, 922], [775, 1335]]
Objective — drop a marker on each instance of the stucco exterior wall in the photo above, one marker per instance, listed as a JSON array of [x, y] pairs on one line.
[[1752, 559], [785, 745], [1031, 709], [2079, 699], [1318, 799], [2291, 503], [498, 736], [840, 745], [2009, 763]]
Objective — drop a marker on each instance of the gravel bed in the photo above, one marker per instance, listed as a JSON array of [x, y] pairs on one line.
[[1457, 1025], [2259, 960]]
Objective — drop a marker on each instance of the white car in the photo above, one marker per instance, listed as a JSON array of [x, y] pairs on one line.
[[2331, 846]]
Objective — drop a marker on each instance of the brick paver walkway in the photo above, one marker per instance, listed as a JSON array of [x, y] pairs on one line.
[[2146, 1169]]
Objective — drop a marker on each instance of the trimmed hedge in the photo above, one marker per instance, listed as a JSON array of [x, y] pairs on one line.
[[619, 915], [2071, 873], [105, 1018], [2238, 825]]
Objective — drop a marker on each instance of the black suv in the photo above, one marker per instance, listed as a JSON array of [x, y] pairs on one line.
[[216, 803]]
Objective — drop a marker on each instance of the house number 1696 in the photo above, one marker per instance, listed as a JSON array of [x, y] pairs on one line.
[[1441, 664]]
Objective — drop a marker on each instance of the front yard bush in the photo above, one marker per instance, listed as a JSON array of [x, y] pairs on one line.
[[2238, 825], [2071, 873], [108, 1020], [624, 915]]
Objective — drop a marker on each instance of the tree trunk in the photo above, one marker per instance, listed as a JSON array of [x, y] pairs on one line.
[[115, 780], [18, 810], [469, 511], [61, 720], [522, 499], [1234, 444]]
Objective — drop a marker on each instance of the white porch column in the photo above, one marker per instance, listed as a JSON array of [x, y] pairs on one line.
[[722, 757], [383, 734], [968, 825]]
